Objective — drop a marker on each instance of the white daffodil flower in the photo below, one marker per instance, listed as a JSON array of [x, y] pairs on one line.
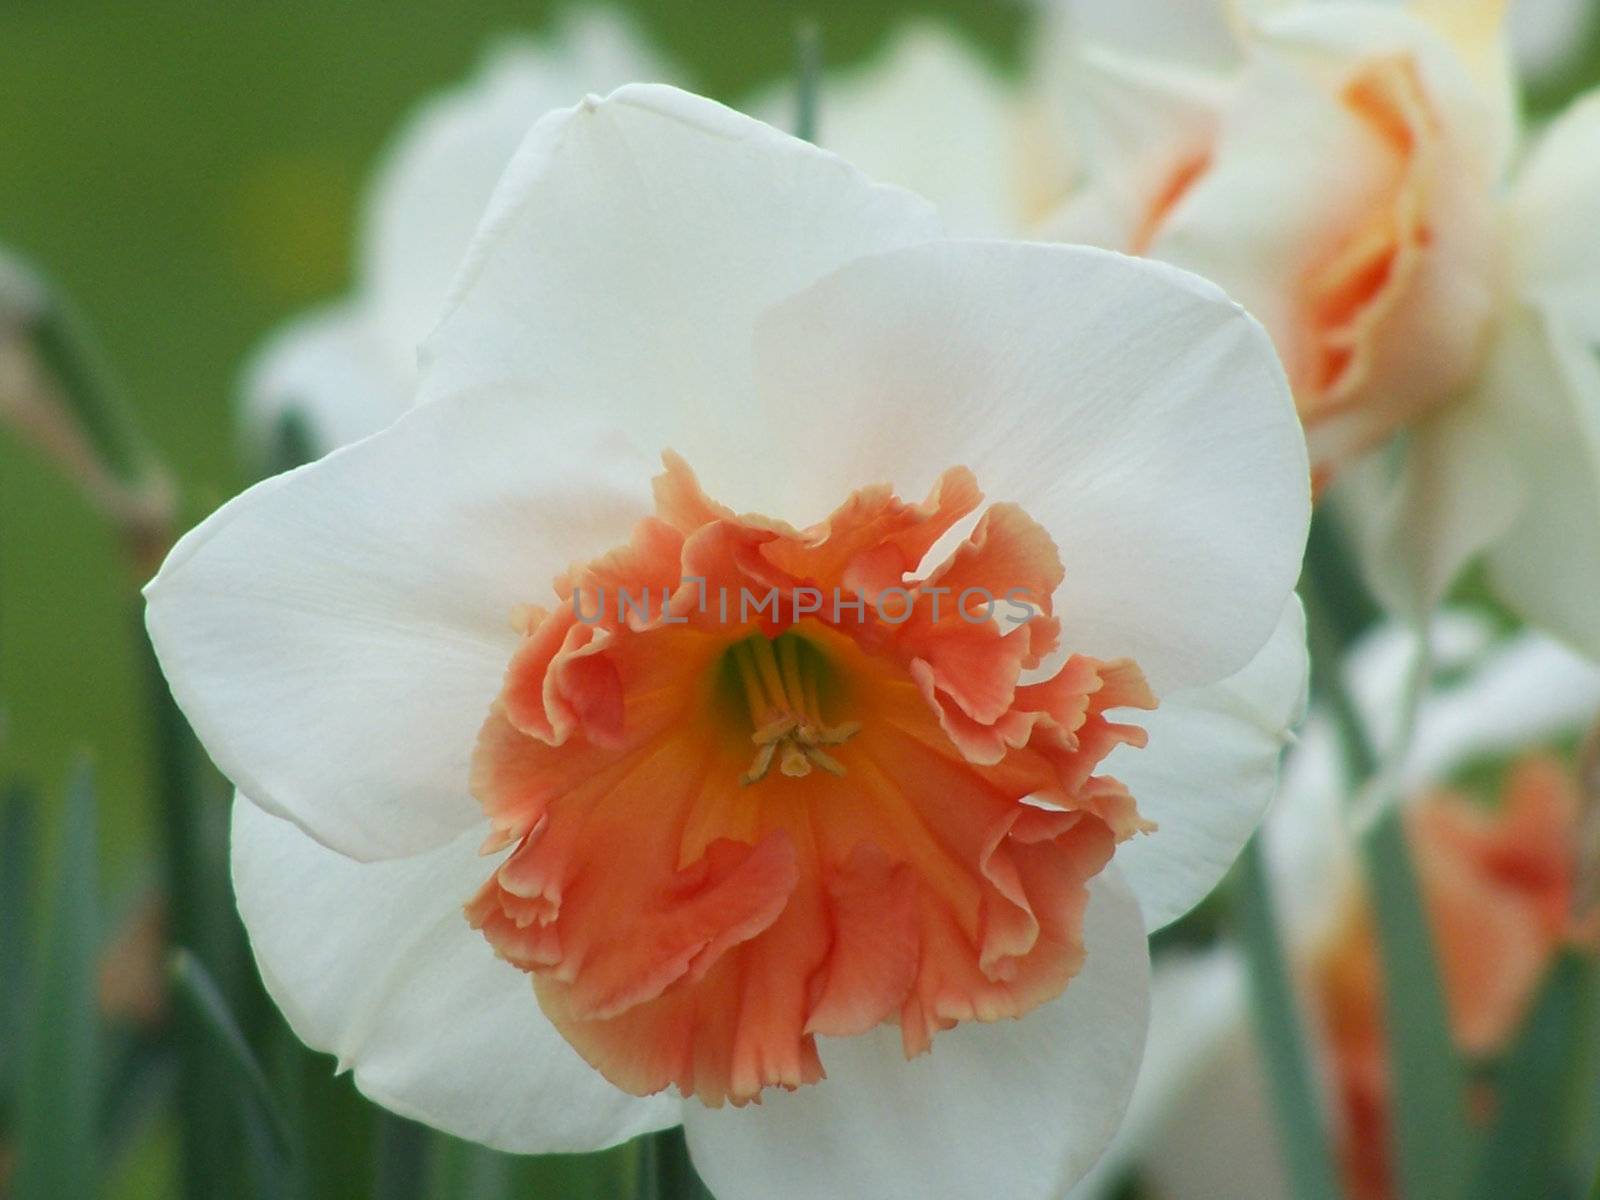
[[1200, 1126], [550, 855], [1355, 176], [997, 154], [1212, 33], [350, 368]]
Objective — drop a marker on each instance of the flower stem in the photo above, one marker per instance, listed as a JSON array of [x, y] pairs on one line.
[[201, 917], [1294, 1090], [66, 397], [62, 1080], [807, 79], [1430, 1136], [665, 1172], [1432, 1141], [56, 388], [403, 1151], [1331, 628]]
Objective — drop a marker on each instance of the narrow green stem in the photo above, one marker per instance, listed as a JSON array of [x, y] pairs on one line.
[[1337, 611], [404, 1151], [61, 1087], [665, 1172], [808, 79], [1582, 1133], [1531, 1147], [18, 829], [206, 1128], [62, 340], [1431, 1138], [194, 985], [1302, 1123], [82, 418]]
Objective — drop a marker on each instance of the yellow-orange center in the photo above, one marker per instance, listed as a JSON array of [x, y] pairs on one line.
[[779, 680], [762, 785]]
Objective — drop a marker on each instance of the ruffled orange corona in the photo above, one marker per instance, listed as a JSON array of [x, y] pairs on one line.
[[762, 786]]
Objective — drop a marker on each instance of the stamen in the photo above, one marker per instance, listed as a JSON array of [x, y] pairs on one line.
[[767, 669], [754, 696], [780, 681], [762, 762]]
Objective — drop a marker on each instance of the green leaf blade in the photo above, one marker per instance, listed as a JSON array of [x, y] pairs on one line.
[[1541, 1090], [1302, 1124], [59, 1104], [1433, 1143]]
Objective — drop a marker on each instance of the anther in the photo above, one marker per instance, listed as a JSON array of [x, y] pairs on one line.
[[780, 686]]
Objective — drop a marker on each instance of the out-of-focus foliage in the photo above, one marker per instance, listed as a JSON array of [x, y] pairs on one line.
[[190, 173]]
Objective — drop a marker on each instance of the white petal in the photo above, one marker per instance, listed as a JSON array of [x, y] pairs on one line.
[[1381, 668], [1209, 773], [376, 964], [1198, 1014], [1220, 1139], [1422, 509], [1133, 410], [332, 369], [1526, 692], [1477, 30], [929, 114], [1295, 168], [426, 203], [1199, 33], [1143, 124], [1494, 698], [335, 635], [1554, 208], [1019, 1109], [1459, 46], [351, 369], [1257, 218], [1310, 856], [627, 254], [1547, 566], [1311, 859]]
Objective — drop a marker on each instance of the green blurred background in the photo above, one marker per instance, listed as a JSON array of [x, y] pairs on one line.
[[190, 173]]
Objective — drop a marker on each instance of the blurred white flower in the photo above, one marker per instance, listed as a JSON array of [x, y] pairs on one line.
[[350, 368], [1353, 175], [930, 113], [1210, 33], [734, 850], [1200, 1126]]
